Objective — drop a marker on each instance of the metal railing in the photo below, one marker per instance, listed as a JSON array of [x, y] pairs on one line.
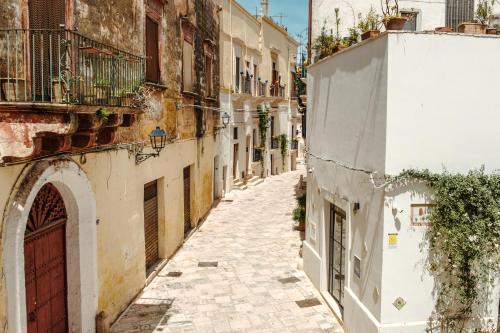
[[63, 66], [257, 155], [261, 88], [245, 84], [275, 143], [277, 90]]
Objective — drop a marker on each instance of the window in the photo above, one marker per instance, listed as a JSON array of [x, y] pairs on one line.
[[272, 126], [411, 24], [208, 75], [254, 137], [152, 51], [237, 79], [209, 72], [458, 11], [187, 56], [235, 133]]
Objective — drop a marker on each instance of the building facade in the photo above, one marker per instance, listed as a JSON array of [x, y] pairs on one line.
[[366, 120], [257, 65], [87, 214]]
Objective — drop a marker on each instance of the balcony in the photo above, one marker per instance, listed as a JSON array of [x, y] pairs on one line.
[[257, 155], [275, 143], [64, 67], [245, 84], [277, 90], [261, 88]]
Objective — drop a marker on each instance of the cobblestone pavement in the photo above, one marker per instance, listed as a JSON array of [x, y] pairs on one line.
[[255, 283]]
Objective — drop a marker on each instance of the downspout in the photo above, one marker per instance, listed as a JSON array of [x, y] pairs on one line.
[[309, 34]]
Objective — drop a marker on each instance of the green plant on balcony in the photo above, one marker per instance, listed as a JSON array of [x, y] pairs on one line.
[[369, 25], [324, 43], [392, 18], [484, 11]]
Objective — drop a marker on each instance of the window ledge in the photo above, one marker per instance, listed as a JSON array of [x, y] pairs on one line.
[[155, 85]]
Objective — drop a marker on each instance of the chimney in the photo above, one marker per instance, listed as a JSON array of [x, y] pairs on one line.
[[264, 7]]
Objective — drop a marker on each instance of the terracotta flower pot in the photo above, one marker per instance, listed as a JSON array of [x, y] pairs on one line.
[[472, 28], [395, 23], [491, 31], [370, 34], [444, 29]]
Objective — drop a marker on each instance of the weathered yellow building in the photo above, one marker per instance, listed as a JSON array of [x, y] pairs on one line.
[[257, 79], [86, 218]]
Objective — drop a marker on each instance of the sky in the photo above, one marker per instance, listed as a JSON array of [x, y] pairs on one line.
[[296, 11]]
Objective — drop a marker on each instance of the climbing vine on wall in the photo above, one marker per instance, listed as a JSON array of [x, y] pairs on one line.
[[284, 146], [263, 112], [463, 241]]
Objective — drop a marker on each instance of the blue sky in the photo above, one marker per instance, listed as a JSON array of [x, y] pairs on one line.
[[296, 11]]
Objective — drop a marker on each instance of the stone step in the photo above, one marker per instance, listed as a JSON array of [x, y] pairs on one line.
[[254, 181]]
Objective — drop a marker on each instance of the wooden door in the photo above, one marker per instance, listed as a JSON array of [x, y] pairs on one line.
[[235, 161], [45, 263], [151, 224], [336, 265], [187, 200]]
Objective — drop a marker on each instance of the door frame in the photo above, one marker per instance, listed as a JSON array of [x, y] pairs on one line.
[[81, 242]]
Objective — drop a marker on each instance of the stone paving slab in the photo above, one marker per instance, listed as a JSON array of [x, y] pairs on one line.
[[254, 286]]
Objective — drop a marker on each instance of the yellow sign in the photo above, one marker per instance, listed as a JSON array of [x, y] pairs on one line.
[[393, 241]]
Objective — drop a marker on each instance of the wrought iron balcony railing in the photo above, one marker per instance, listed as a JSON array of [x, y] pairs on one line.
[[63, 66], [257, 155], [261, 88], [277, 90], [275, 143], [246, 84]]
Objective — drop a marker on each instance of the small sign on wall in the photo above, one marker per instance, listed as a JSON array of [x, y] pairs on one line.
[[393, 241], [420, 214], [312, 231], [357, 267]]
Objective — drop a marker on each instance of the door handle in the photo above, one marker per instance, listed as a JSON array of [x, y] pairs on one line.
[[339, 276], [32, 316]]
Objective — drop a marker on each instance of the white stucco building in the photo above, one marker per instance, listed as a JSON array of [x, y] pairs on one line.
[[403, 100]]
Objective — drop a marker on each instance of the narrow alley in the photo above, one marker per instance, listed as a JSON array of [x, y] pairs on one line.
[[237, 273]]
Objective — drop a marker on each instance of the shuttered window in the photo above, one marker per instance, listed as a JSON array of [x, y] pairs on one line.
[[187, 66], [152, 51], [151, 224], [459, 11], [187, 200]]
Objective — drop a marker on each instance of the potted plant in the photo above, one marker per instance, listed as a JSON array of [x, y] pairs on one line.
[[353, 37], [392, 17], [369, 25], [324, 43], [299, 213], [480, 24]]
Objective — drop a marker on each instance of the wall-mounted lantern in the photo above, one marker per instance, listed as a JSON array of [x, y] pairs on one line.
[[225, 119], [158, 139]]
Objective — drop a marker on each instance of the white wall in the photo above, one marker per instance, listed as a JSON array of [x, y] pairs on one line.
[[432, 13], [443, 111]]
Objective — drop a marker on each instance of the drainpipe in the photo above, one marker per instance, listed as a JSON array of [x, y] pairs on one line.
[[309, 33]]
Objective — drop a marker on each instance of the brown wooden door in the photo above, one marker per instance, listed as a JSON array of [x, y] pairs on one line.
[[152, 53], [45, 263], [187, 200], [151, 224], [236, 152]]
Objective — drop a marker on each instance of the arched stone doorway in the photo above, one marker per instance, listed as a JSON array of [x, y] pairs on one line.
[[52, 181]]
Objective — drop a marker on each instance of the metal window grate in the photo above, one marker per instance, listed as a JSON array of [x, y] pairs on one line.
[[458, 11]]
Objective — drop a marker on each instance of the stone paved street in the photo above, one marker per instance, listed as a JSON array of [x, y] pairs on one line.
[[253, 246]]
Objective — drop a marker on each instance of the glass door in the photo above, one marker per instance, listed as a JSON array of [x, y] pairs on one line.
[[336, 264]]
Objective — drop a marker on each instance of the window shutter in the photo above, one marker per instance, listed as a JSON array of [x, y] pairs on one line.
[[152, 57], [187, 66]]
